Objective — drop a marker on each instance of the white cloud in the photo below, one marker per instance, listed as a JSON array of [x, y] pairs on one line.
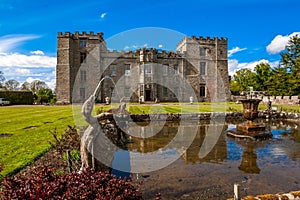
[[8, 42], [21, 60], [22, 72], [51, 83], [134, 47], [279, 42], [30, 79], [37, 52], [160, 46], [235, 50], [103, 15], [234, 65]]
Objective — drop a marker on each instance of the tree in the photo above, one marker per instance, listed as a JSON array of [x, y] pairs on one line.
[[279, 84], [36, 85], [243, 79], [2, 78], [290, 58], [25, 86], [45, 95], [263, 72], [12, 84], [290, 61]]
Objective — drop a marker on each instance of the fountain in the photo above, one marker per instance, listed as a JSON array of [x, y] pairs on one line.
[[249, 128]]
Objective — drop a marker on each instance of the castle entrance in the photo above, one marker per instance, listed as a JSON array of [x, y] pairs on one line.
[[148, 95]]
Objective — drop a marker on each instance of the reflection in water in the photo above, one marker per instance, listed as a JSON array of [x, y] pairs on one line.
[[274, 163], [198, 151], [248, 164], [145, 142]]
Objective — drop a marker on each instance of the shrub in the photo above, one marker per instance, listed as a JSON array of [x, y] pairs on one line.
[[44, 184], [17, 97]]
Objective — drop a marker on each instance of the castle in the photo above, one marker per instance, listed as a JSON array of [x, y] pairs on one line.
[[198, 68]]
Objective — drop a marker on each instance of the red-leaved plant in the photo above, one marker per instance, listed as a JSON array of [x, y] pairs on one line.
[[44, 184]]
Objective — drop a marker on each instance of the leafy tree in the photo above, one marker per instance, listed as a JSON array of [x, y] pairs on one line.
[[290, 61], [279, 84], [290, 58], [45, 95], [263, 72], [12, 84], [243, 79]]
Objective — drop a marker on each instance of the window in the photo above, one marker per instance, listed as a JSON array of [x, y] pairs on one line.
[[82, 93], [165, 91], [82, 43], [165, 70], [202, 90], [202, 51], [82, 57], [113, 70], [127, 69], [148, 69], [202, 68], [83, 75]]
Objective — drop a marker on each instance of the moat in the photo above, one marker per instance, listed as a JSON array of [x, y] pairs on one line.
[[266, 166]]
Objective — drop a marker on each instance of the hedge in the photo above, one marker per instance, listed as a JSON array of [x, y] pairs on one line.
[[17, 97]]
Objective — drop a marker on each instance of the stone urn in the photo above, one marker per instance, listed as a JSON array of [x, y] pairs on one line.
[[249, 128], [250, 108]]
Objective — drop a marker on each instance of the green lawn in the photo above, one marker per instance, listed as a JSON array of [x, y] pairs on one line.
[[30, 127], [177, 107]]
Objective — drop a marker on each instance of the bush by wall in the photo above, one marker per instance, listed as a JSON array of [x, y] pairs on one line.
[[17, 97]]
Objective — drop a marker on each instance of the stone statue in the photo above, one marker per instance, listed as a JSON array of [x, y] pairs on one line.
[[97, 150]]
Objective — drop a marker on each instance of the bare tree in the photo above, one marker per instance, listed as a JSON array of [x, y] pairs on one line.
[[36, 85], [25, 86], [12, 84], [2, 78]]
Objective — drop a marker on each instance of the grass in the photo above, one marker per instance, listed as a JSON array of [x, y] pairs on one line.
[[30, 127], [177, 107]]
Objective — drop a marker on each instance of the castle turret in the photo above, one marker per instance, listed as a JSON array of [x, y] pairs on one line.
[[72, 51]]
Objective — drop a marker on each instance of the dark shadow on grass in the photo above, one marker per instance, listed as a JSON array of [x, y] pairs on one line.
[[3, 135], [30, 127]]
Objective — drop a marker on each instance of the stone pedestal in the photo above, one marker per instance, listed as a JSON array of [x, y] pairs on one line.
[[250, 126]]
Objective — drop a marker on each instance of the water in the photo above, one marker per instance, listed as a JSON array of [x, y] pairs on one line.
[[258, 166]]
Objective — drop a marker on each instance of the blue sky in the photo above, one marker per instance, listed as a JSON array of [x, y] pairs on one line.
[[257, 30]]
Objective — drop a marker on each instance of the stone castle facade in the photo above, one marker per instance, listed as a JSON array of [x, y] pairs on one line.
[[198, 68]]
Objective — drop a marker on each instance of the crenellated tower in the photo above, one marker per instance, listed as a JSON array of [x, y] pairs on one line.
[[209, 57], [72, 51]]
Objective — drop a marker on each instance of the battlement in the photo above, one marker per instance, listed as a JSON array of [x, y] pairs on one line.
[[201, 38], [77, 34], [147, 51]]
